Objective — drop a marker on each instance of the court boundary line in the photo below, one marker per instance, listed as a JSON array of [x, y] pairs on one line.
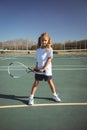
[[44, 105], [57, 69], [2, 59], [70, 69]]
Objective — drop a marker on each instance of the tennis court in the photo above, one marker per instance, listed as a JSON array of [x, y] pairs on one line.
[[70, 78]]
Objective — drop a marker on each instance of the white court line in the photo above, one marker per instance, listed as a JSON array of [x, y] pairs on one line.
[[7, 58], [58, 69], [5, 69], [51, 104], [69, 68], [70, 65], [55, 66]]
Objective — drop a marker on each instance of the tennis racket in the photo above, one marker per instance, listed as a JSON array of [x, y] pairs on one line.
[[18, 69]]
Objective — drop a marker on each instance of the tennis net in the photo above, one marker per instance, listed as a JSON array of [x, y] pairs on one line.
[[57, 53]]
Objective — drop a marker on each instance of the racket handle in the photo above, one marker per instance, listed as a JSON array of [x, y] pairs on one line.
[[30, 69], [38, 70]]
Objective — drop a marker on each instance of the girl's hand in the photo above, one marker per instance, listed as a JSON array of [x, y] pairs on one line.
[[34, 69], [42, 70]]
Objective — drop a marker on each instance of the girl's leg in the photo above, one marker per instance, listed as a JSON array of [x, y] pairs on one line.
[[50, 82], [55, 96], [34, 88]]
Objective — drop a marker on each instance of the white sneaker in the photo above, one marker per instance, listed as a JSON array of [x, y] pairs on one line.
[[56, 98], [31, 101]]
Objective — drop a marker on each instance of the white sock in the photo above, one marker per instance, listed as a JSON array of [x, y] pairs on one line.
[[31, 95], [54, 94]]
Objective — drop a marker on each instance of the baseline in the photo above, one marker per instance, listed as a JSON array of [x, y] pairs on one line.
[[50, 104]]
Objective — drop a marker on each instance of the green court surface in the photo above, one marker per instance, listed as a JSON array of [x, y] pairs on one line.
[[70, 79]]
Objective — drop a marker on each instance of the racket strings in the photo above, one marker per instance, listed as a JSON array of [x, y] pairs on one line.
[[16, 69]]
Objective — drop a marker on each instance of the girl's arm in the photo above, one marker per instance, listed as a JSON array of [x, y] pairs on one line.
[[46, 64], [35, 68]]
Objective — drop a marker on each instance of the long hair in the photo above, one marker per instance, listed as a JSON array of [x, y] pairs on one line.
[[49, 41], [39, 43]]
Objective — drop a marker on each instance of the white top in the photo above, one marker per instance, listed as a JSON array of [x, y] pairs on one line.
[[41, 56]]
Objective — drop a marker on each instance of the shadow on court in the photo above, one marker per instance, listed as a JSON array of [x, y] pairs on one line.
[[14, 97], [23, 99]]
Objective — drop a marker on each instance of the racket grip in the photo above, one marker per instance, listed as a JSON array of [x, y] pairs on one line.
[[30, 69], [38, 70]]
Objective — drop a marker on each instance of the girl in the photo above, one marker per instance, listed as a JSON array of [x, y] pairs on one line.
[[44, 55]]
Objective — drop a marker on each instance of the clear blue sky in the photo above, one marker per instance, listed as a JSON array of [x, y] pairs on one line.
[[62, 19]]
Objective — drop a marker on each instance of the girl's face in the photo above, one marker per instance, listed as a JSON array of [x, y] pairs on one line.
[[44, 41]]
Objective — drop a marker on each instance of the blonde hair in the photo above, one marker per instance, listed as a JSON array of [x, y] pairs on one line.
[[49, 41]]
